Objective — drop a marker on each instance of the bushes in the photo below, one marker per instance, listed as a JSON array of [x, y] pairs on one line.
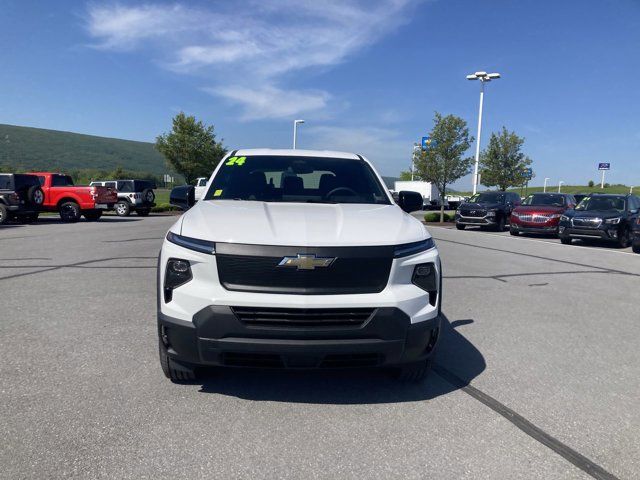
[[164, 207], [435, 217]]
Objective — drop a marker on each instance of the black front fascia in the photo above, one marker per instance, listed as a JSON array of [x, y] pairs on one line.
[[254, 268]]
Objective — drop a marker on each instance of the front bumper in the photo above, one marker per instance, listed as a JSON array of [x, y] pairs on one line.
[[217, 337], [486, 220], [534, 228], [608, 234]]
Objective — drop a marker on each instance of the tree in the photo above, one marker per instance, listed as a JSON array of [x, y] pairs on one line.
[[591, 184], [190, 148], [405, 176], [442, 163], [502, 163]]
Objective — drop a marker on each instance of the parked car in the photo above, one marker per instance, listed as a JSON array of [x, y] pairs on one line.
[[73, 201], [601, 216], [297, 259], [20, 197], [540, 213], [201, 186], [133, 196], [487, 209]]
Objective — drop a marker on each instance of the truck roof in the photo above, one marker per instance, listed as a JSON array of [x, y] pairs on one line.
[[296, 153]]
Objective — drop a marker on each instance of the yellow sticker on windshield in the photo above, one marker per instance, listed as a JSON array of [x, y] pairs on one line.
[[236, 161], [217, 193]]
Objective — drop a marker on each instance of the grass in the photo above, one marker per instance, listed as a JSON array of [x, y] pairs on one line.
[[26, 148]]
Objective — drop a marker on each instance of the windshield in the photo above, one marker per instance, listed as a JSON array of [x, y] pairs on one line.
[[492, 197], [602, 203], [552, 200], [296, 179]]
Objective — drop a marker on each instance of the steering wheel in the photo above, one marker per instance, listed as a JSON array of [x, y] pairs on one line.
[[346, 189]]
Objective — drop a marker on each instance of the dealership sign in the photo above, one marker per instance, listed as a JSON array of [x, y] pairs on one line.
[[604, 166]]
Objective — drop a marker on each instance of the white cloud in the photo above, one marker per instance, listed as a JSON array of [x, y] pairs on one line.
[[381, 146], [271, 102], [249, 47]]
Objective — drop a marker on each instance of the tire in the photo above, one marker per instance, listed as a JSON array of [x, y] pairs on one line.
[[514, 232], [143, 212], [4, 215], [636, 247], [31, 218], [459, 226], [148, 196], [69, 212], [122, 208], [565, 240], [625, 239], [35, 196], [174, 371], [93, 216], [414, 372]]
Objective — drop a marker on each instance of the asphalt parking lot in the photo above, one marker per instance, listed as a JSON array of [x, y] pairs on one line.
[[538, 375]]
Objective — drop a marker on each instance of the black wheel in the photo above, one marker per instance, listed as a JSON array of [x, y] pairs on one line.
[[35, 195], [565, 240], [174, 371], [93, 216], [636, 247], [459, 226], [32, 217], [624, 238], [414, 372], [4, 215], [148, 196], [500, 224], [70, 212], [514, 232], [143, 212], [122, 208]]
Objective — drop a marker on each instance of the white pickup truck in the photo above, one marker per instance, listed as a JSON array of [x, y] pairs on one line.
[[297, 259], [201, 187]]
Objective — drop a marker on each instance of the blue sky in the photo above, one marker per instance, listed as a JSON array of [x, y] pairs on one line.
[[365, 75]]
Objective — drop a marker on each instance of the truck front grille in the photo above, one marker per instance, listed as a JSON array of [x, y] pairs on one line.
[[534, 218], [302, 317], [586, 222], [258, 268]]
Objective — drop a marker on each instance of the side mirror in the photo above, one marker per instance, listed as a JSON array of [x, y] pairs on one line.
[[183, 197], [410, 201]]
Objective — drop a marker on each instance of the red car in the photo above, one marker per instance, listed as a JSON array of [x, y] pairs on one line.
[[540, 213], [72, 201]]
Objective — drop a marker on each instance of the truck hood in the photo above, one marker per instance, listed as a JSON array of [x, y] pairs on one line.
[[304, 224], [594, 213]]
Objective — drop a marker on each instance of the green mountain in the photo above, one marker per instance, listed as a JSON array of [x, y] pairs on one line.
[[26, 148]]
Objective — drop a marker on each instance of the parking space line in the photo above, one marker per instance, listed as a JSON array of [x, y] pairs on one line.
[[567, 262], [566, 452], [536, 240]]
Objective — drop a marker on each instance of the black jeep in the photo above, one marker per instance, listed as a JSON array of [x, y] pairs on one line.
[[20, 197]]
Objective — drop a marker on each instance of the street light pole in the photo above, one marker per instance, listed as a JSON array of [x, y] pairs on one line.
[[545, 184], [416, 149], [484, 77], [560, 183], [295, 131]]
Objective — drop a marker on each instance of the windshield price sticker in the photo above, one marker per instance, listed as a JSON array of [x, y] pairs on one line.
[[217, 193], [236, 161]]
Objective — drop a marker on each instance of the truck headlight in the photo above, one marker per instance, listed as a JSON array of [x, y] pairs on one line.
[[564, 218], [178, 272], [426, 278], [612, 221], [202, 246], [412, 248]]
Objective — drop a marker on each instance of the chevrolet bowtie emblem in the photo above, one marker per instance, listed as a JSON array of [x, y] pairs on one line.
[[306, 262]]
